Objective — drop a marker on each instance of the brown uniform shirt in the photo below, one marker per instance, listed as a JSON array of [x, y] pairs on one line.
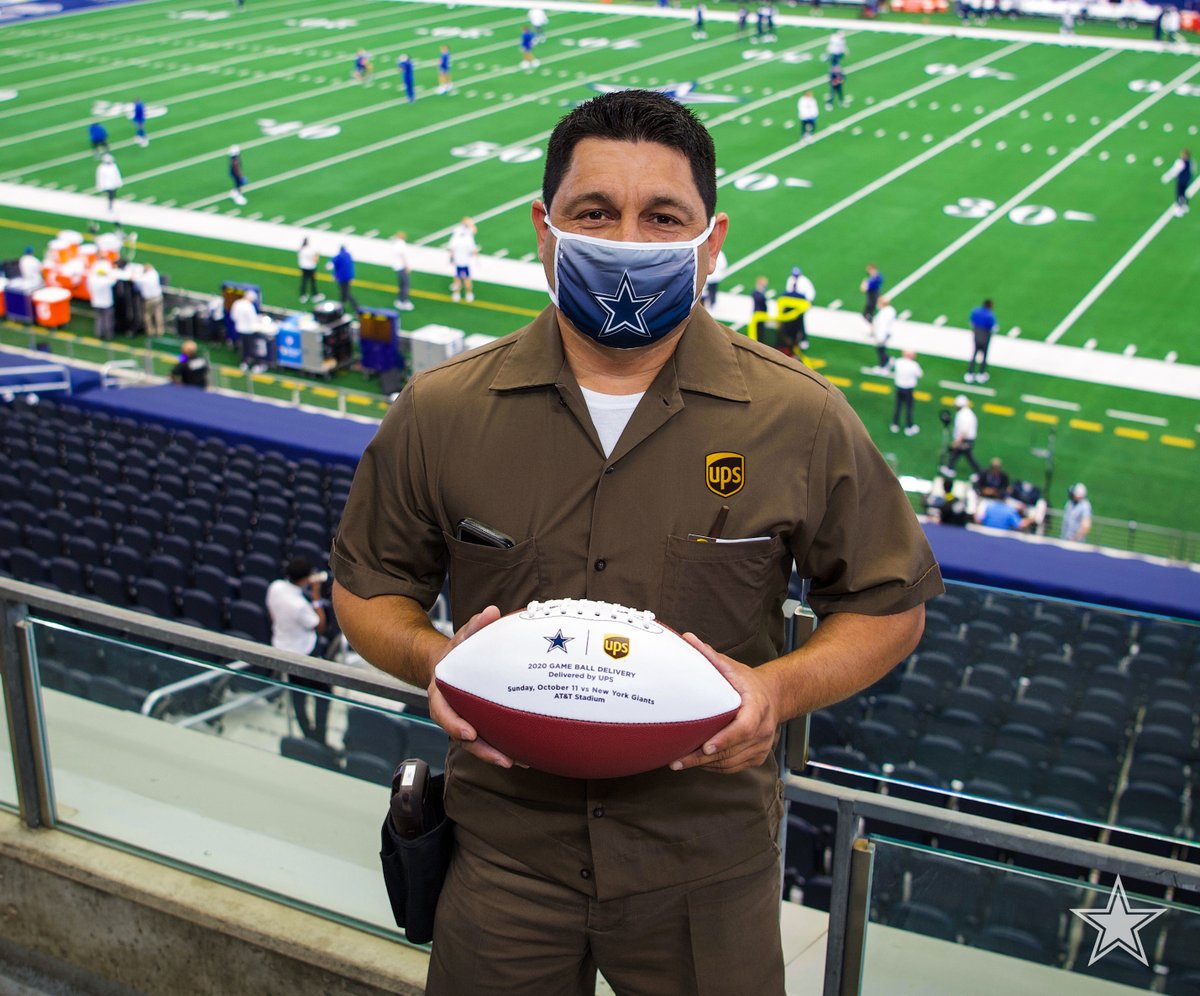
[[503, 435]]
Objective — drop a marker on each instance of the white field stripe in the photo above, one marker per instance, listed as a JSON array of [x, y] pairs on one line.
[[862, 115], [931, 153], [1063, 164], [450, 123], [458, 167], [490, 213], [1033, 399], [1119, 267], [237, 84], [337, 119], [194, 70], [954, 387], [1162, 423], [188, 31]]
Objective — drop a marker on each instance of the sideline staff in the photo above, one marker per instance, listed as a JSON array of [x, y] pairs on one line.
[[599, 437]]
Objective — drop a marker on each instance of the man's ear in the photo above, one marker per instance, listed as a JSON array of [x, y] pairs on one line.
[[716, 239], [538, 213]]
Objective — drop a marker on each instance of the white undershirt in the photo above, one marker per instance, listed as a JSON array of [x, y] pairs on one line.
[[610, 414]]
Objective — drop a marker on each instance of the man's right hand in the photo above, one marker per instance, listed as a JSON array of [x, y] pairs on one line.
[[439, 709]]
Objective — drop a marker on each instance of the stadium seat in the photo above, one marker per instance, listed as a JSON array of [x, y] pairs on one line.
[[1037, 642], [994, 680], [1028, 741], [24, 514], [1014, 942], [1009, 769], [880, 741], [169, 570], [371, 732], [253, 588], [43, 542], [823, 730], [110, 587], [67, 576], [1152, 802], [251, 618], [262, 565], [971, 730], [1054, 692], [310, 752], [202, 609], [1181, 950], [924, 691], [113, 692], [214, 581], [945, 755], [1085, 789], [976, 700], [99, 531], [125, 560], [178, 546], [898, 712], [25, 565], [153, 596], [1160, 769], [140, 538], [923, 918], [1034, 712], [942, 668], [1157, 739], [218, 556]]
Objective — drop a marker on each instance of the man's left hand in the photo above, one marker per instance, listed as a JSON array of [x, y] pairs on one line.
[[745, 742]]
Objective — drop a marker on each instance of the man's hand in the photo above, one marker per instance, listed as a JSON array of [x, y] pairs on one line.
[[439, 709], [745, 742]]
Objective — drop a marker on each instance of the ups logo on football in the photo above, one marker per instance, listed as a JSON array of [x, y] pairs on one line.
[[616, 646], [725, 473]]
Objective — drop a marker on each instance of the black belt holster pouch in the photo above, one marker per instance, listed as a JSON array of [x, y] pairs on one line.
[[414, 867]]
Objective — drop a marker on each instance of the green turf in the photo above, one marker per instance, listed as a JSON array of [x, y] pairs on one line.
[[324, 151]]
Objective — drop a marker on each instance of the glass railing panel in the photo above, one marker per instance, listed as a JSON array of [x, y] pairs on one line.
[[8, 776], [1051, 705], [942, 922], [204, 765]]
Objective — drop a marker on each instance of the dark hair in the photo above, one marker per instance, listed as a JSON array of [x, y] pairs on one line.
[[298, 569], [988, 304], [634, 116]]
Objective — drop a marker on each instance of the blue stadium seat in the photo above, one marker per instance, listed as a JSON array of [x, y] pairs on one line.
[[214, 581], [1029, 741], [43, 542], [994, 680], [171, 571], [970, 729], [1010, 769], [880, 741], [181, 547], [125, 560], [201, 608], [923, 918], [155, 597], [67, 576], [945, 755], [1085, 789], [369, 767], [1015, 943], [110, 587], [371, 732], [1152, 802], [262, 565], [250, 618], [310, 752], [25, 565]]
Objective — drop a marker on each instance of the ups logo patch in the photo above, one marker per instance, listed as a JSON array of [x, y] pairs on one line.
[[616, 646], [725, 473]]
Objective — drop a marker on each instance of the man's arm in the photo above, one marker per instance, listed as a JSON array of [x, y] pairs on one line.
[[394, 633], [848, 652]]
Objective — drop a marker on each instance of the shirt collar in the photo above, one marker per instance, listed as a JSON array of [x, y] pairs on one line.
[[705, 361]]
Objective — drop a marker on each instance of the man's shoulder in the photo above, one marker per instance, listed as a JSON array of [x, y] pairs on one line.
[[766, 365]]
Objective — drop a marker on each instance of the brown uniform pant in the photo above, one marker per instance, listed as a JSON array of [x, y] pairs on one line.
[[505, 929]]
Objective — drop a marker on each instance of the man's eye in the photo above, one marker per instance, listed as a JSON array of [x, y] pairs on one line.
[[664, 219], [594, 215]]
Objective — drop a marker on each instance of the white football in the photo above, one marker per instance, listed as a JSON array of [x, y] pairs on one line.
[[586, 689]]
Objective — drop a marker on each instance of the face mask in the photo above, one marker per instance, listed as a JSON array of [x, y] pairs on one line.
[[625, 294]]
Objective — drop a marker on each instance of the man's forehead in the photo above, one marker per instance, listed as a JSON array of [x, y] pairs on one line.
[[610, 160]]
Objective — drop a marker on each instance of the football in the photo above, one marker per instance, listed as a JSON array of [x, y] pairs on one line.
[[586, 689]]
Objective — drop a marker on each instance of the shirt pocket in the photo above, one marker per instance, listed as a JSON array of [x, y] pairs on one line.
[[715, 590], [486, 575]]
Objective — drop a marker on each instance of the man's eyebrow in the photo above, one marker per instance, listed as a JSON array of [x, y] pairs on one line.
[[590, 197], [600, 199]]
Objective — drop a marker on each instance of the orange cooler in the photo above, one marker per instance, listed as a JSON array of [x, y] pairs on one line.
[[52, 307]]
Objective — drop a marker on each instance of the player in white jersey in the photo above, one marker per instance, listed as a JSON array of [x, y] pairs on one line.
[[463, 250]]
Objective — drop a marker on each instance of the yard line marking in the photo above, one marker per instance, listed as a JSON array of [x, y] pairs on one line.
[[442, 125], [1061, 166], [1085, 425], [490, 213], [1181, 442], [1045, 418], [957, 388], [931, 153], [1033, 399], [1125, 433], [1162, 423], [1119, 267]]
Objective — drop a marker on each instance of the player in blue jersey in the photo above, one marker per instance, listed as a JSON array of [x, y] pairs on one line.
[[743, 16], [362, 67], [98, 136], [444, 83], [837, 80], [236, 175], [698, 31], [983, 324], [138, 117], [528, 39], [405, 65], [1181, 172]]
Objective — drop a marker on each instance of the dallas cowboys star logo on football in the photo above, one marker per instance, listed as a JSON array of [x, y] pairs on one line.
[[558, 641], [625, 308]]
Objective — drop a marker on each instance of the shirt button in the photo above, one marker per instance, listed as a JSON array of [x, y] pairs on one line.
[[600, 564], [609, 469], [585, 873], [598, 812]]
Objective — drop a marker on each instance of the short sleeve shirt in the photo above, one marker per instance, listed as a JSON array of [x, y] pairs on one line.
[[502, 435]]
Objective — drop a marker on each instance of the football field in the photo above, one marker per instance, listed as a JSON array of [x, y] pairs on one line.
[[966, 165]]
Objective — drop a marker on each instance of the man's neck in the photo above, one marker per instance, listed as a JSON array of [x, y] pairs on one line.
[[615, 371]]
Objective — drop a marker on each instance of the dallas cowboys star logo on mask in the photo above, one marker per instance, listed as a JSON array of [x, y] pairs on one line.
[[626, 309], [627, 317]]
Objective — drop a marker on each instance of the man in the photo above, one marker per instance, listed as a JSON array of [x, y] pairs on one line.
[[236, 175], [192, 368], [405, 65], [758, 307], [1077, 516], [808, 110], [400, 265], [342, 266], [108, 178], [463, 250], [962, 445], [362, 66], [138, 117], [996, 513], [528, 38], [906, 374], [297, 619], [150, 287], [871, 287], [538, 21], [662, 879], [30, 268], [993, 482], [1181, 172], [243, 315], [983, 324], [837, 83], [98, 136], [100, 292], [308, 259], [836, 50], [444, 83], [798, 296], [698, 31], [882, 326]]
